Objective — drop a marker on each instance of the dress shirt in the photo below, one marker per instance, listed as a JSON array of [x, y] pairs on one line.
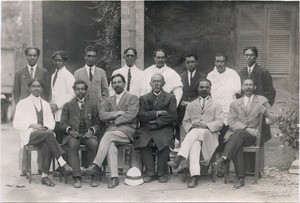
[[80, 102], [118, 97], [36, 102], [250, 69], [248, 99], [203, 100], [34, 69], [191, 74], [87, 68]]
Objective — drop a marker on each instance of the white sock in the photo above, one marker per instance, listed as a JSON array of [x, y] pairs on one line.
[[61, 161], [44, 175]]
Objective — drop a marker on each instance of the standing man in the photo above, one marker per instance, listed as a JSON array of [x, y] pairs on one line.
[[202, 121], [243, 120], [80, 122], [93, 76], [61, 85], [133, 75], [119, 111], [32, 70], [172, 80], [158, 116], [226, 83]]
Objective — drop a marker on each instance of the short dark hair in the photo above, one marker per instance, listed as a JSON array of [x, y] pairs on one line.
[[191, 55], [219, 54], [205, 80], [80, 82], [61, 53], [156, 50], [31, 80], [130, 48], [90, 48], [34, 48], [118, 75], [254, 49], [248, 78]]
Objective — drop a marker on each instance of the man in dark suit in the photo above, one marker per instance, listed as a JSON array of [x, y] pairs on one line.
[[119, 111], [80, 122], [157, 115], [243, 121], [32, 70]]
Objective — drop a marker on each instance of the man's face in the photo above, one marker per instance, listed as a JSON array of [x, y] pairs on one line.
[[32, 57], [130, 58], [58, 62], [36, 89], [80, 91], [160, 59], [90, 58], [157, 83], [248, 87], [191, 63], [204, 89], [220, 63], [118, 85], [250, 57]]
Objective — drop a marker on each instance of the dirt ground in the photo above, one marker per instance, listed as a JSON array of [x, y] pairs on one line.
[[275, 185]]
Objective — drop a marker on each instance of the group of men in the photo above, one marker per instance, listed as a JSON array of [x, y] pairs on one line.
[[144, 108]]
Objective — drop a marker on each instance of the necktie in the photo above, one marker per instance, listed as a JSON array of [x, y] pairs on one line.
[[203, 104], [31, 72], [81, 104], [91, 75], [128, 79], [248, 104], [249, 71], [55, 77]]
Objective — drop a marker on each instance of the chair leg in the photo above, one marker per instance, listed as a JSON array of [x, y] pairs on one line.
[[257, 167], [227, 172], [28, 165]]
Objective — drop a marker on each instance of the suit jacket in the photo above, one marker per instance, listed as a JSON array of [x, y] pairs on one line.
[[190, 92], [98, 88], [70, 118], [263, 80], [25, 115], [239, 117], [162, 131], [126, 123], [22, 76], [212, 116]]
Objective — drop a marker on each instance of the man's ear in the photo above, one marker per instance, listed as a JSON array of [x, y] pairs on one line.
[[163, 83], [254, 87]]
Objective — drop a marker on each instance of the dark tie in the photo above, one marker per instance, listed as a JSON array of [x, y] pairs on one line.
[[91, 75], [191, 78], [31, 72], [80, 103], [128, 80], [55, 77]]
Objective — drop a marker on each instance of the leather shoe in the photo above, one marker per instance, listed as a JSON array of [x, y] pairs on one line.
[[77, 183], [193, 182], [174, 162], [162, 179], [240, 183], [93, 169], [47, 181], [148, 179], [67, 169], [219, 166], [113, 183], [23, 173], [94, 181]]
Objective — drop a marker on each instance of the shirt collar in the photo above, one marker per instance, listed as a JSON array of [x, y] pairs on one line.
[[29, 67], [35, 99], [205, 99], [193, 73], [156, 94], [119, 96], [88, 68], [83, 100], [247, 98], [251, 66], [56, 70], [132, 67]]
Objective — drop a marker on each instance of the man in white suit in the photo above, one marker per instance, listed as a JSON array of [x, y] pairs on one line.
[[202, 121], [132, 74], [61, 87]]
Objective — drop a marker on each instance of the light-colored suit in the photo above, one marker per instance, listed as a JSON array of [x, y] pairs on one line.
[[120, 129], [62, 91], [137, 76], [197, 138], [98, 87]]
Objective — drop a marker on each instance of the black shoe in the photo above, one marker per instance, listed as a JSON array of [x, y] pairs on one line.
[[113, 183], [241, 183], [219, 166], [40, 171], [58, 172], [93, 169], [193, 182], [148, 179], [94, 181], [77, 182], [162, 179], [175, 162], [23, 173], [67, 169], [47, 181]]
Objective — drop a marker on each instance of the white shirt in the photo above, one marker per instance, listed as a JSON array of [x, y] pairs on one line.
[[248, 99], [87, 68], [118, 97], [250, 69], [189, 75], [36, 102], [201, 100], [34, 69]]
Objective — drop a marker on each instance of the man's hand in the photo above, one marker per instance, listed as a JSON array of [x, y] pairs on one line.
[[184, 103], [88, 134], [53, 107], [263, 109], [74, 134], [253, 132], [38, 127], [119, 113], [152, 122], [200, 125], [161, 113]]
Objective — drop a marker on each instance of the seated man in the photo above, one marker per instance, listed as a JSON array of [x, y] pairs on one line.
[[157, 116], [120, 111], [202, 121], [80, 121], [243, 121]]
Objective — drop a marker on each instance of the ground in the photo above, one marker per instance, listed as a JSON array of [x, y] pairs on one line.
[[274, 186]]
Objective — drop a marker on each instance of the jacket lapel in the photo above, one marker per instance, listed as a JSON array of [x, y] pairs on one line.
[[253, 103], [113, 102], [122, 100], [207, 104], [160, 98], [76, 107], [84, 74]]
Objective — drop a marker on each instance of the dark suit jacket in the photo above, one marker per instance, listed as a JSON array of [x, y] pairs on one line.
[[190, 92], [162, 131], [263, 80], [70, 117], [22, 76], [126, 123]]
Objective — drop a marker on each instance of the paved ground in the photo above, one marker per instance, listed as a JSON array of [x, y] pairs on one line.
[[275, 186]]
